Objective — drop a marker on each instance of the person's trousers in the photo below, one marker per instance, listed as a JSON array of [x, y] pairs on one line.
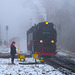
[[12, 58]]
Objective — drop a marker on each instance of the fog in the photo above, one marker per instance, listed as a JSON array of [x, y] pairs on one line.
[[20, 15], [62, 14]]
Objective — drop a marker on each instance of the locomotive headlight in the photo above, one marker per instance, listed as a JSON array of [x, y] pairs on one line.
[[52, 41], [41, 41], [46, 22]]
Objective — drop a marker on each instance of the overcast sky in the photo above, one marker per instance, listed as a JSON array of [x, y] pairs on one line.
[[17, 14]]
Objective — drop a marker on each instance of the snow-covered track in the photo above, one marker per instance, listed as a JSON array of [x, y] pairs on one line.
[[68, 67]]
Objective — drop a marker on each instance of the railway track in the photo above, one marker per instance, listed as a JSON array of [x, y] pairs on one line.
[[63, 66]]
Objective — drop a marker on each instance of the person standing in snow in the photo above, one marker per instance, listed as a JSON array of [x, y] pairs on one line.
[[13, 51]]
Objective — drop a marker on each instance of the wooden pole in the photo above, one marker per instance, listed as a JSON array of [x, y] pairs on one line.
[[18, 51]]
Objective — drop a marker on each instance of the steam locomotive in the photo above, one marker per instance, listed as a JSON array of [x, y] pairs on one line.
[[42, 39]]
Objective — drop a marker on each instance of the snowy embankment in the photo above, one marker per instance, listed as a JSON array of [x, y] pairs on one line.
[[4, 49], [65, 55], [39, 69]]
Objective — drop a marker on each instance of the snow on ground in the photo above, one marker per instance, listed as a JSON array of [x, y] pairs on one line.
[[17, 69], [4, 49], [6, 68], [61, 53], [66, 55]]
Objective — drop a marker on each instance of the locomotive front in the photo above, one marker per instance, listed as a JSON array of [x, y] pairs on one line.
[[44, 39]]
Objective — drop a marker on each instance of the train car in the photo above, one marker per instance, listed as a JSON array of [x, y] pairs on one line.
[[42, 39]]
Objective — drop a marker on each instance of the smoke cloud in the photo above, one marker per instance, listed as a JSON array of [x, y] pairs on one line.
[[62, 14]]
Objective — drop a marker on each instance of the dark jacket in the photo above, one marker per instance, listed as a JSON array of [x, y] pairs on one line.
[[13, 50]]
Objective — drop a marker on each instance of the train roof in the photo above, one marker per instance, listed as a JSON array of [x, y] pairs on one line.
[[35, 27]]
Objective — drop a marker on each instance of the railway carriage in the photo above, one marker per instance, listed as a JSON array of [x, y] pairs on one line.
[[42, 39]]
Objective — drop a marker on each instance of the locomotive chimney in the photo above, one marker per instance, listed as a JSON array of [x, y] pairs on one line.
[[35, 24]]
